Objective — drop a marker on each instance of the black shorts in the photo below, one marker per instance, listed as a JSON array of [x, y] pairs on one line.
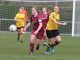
[[20, 27], [52, 33]]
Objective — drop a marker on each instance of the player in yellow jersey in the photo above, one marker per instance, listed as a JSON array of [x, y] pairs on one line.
[[19, 18], [52, 30]]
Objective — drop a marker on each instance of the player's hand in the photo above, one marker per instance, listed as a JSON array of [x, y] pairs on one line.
[[24, 29], [36, 32], [64, 23]]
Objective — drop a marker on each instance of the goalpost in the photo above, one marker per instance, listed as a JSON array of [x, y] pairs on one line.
[[76, 18], [73, 17], [68, 11]]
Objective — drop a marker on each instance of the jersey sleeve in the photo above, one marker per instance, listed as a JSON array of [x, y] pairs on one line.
[[16, 16], [53, 16], [39, 18]]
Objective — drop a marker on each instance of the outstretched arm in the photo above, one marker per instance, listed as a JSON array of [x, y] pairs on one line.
[[59, 23], [28, 25]]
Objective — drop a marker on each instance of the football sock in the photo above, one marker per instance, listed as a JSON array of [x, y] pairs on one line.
[[32, 47], [21, 36], [18, 37], [56, 43], [48, 47], [37, 48], [52, 46]]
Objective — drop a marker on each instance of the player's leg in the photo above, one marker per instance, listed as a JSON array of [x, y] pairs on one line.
[[18, 34], [32, 37], [50, 45], [37, 44], [58, 40], [20, 30], [57, 37], [44, 39], [21, 33], [51, 42], [39, 37]]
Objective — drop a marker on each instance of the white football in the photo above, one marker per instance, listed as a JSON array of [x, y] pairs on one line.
[[12, 27]]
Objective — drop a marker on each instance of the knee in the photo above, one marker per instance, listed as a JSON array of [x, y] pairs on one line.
[[58, 39], [38, 41], [31, 41], [32, 37]]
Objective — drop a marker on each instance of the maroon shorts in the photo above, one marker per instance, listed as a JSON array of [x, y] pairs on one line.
[[40, 34]]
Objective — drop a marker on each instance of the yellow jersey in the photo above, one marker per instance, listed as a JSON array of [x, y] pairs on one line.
[[20, 19], [51, 25]]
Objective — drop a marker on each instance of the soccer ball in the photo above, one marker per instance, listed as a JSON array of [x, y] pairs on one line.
[[12, 28]]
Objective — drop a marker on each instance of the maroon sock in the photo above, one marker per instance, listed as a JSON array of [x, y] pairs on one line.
[[32, 47]]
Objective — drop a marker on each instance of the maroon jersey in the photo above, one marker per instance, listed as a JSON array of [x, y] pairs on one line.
[[45, 18], [36, 20]]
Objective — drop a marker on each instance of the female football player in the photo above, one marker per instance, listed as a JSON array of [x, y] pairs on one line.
[[44, 16], [19, 18], [52, 30], [37, 29], [24, 11]]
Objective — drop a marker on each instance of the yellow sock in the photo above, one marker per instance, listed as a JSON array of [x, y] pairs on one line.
[[21, 36]]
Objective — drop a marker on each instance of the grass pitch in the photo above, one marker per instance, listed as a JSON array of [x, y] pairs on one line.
[[10, 49]]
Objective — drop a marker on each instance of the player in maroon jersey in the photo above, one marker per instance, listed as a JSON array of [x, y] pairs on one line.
[[45, 16], [37, 29]]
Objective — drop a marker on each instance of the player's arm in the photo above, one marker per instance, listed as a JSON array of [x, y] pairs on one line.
[[40, 26], [16, 17], [28, 25], [57, 22]]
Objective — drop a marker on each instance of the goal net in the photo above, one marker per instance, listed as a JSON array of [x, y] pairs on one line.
[[8, 9]]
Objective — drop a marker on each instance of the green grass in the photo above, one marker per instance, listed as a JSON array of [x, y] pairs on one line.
[[10, 49]]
